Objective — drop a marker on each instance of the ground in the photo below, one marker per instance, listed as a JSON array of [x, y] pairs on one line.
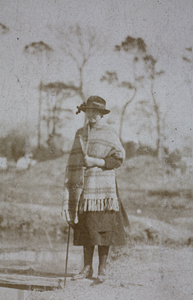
[[142, 273], [157, 262]]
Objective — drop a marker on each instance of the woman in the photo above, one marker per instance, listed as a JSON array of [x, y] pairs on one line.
[[96, 213]]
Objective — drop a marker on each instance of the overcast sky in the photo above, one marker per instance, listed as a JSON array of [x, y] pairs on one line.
[[166, 26]]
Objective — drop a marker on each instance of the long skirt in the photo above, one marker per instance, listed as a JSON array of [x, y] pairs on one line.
[[103, 228]]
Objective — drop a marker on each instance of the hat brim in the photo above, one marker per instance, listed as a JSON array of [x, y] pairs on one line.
[[103, 111]]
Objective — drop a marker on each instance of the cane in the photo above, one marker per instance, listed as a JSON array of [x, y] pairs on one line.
[[65, 215], [67, 249]]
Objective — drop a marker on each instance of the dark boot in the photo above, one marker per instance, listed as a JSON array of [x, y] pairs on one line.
[[87, 271], [103, 254]]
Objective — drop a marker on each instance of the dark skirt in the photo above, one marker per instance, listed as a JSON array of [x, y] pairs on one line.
[[100, 228]]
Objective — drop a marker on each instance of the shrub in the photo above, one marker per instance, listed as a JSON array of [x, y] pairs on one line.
[[46, 153], [173, 158], [146, 150], [130, 149], [14, 145], [133, 149]]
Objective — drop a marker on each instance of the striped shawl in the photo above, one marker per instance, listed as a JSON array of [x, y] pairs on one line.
[[93, 188]]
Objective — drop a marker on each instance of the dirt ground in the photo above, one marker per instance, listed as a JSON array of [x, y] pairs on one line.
[[140, 272], [157, 263]]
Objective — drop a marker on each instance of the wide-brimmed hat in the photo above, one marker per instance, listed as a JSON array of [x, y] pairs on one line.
[[94, 102]]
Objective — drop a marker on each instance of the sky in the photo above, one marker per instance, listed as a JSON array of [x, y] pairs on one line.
[[166, 27]]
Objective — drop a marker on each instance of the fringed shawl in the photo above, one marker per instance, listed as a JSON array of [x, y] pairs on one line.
[[97, 185]]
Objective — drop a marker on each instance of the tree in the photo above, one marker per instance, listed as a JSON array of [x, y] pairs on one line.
[[144, 115], [111, 77], [136, 47], [79, 46], [139, 58], [150, 66], [55, 95], [40, 50], [188, 60], [3, 31]]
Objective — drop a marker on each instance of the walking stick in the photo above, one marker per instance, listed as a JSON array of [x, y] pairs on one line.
[[67, 249], [66, 198], [65, 214]]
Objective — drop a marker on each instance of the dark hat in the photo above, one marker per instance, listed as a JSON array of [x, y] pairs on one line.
[[94, 102]]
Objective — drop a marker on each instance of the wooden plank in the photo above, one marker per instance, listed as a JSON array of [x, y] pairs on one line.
[[29, 282]]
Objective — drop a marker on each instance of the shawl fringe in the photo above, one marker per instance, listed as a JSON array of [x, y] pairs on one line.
[[109, 204]]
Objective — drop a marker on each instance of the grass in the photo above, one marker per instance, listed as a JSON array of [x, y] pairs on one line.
[[30, 201]]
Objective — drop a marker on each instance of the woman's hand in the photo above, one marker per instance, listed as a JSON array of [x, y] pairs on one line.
[[89, 161], [71, 224], [93, 161]]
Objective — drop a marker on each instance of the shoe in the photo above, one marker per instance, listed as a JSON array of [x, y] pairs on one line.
[[101, 275], [86, 272], [101, 279]]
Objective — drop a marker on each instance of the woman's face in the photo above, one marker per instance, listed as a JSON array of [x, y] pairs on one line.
[[93, 115]]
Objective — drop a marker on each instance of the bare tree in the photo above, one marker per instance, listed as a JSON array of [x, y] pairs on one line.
[[40, 50], [188, 60], [79, 46], [152, 74], [144, 113]]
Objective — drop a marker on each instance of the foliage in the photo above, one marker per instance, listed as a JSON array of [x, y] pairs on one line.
[[131, 43], [132, 149], [43, 153], [174, 160], [78, 46], [188, 59], [37, 47], [34, 207], [53, 110], [146, 150], [40, 50], [14, 145], [136, 50]]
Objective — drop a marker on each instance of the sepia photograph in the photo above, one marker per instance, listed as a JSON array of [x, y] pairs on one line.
[[96, 149]]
